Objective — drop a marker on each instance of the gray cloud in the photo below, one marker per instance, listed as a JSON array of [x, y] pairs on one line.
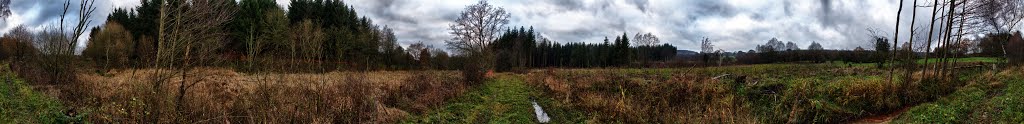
[[733, 25], [40, 14], [569, 4], [640, 4]]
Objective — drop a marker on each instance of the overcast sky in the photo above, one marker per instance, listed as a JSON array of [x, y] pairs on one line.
[[732, 25]]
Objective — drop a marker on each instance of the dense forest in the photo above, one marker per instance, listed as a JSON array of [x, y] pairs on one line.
[[319, 61], [331, 33]]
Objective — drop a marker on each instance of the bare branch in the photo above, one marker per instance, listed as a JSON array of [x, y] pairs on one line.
[[477, 27]]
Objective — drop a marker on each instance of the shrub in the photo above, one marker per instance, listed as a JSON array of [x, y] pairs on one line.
[[57, 57], [1015, 49], [17, 44], [20, 104], [145, 51], [110, 47], [422, 91], [474, 73], [643, 97]]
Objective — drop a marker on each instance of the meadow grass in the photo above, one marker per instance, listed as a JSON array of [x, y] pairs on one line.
[[989, 98], [968, 60], [923, 61], [222, 95], [762, 93], [504, 99], [766, 93], [19, 103]]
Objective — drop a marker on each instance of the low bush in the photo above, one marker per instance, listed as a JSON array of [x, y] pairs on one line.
[[111, 47], [474, 73], [20, 104], [773, 93], [223, 95], [642, 97]]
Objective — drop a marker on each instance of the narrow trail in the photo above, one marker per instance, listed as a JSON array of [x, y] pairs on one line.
[[504, 99]]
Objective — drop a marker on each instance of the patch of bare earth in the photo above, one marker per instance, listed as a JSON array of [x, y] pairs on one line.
[[225, 96]]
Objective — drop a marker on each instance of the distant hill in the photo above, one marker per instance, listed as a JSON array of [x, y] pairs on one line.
[[685, 53]]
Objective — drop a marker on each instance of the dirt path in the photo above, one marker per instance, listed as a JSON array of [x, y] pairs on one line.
[[883, 118], [502, 100]]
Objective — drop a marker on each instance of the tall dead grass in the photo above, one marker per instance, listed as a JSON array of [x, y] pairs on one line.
[[643, 98], [782, 94], [224, 96]]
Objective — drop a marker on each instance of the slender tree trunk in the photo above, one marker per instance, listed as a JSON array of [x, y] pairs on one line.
[[947, 38], [910, 58], [958, 39], [928, 46], [895, 41], [154, 99]]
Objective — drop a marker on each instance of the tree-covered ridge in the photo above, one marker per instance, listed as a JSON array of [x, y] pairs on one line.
[[331, 31], [260, 29]]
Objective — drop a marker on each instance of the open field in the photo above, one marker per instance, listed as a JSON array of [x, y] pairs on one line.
[[969, 60], [770, 93], [511, 61], [757, 93], [764, 93], [991, 97], [19, 103], [223, 96]]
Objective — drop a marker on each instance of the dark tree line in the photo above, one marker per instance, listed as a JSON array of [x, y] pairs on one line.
[[331, 34], [523, 48], [775, 51], [261, 29]]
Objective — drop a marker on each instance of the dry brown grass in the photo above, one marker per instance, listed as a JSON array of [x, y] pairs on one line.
[[224, 96], [612, 96]]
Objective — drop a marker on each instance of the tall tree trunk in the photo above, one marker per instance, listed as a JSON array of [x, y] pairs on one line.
[[949, 33], [910, 58], [963, 19], [895, 40], [928, 46]]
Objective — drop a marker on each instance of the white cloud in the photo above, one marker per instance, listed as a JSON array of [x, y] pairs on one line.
[[733, 24]]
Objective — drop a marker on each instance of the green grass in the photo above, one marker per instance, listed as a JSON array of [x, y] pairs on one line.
[[954, 108], [20, 104], [505, 99], [1001, 101], [922, 61], [808, 93], [1011, 103], [968, 60]]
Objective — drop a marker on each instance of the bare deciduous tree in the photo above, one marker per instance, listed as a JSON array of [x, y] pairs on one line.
[[388, 40], [307, 41], [57, 46], [706, 49], [815, 46], [474, 31], [415, 48], [476, 28], [55, 41], [999, 16], [644, 43], [189, 33], [792, 46], [706, 46], [931, 32], [647, 39], [19, 46], [111, 46]]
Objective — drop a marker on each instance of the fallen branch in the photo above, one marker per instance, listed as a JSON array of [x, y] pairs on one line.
[[720, 76]]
